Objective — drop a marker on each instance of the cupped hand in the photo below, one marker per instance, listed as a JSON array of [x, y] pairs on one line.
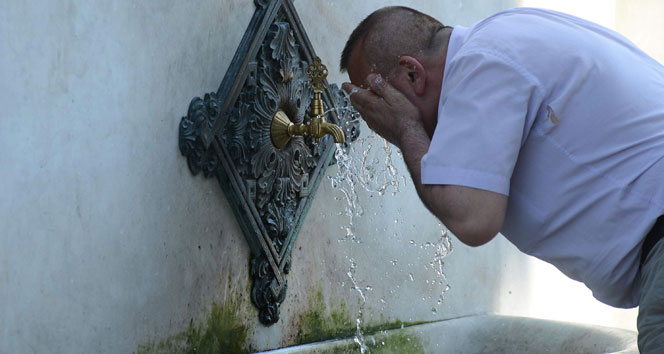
[[386, 110]]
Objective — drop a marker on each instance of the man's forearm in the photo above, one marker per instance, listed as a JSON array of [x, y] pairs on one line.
[[473, 215], [469, 213], [414, 144]]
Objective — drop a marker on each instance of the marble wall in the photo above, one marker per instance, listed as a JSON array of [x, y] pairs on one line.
[[110, 245]]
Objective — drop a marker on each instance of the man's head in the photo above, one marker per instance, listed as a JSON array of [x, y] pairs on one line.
[[404, 46], [389, 33]]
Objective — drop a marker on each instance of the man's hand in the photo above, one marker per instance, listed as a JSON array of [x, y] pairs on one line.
[[475, 216], [386, 110]]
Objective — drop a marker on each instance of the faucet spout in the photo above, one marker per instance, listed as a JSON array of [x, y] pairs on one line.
[[283, 129], [335, 131]]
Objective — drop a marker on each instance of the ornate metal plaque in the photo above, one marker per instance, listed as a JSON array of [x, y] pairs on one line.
[[227, 135]]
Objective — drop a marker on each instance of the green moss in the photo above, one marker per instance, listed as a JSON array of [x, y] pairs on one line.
[[223, 332], [319, 324], [375, 328], [316, 324], [396, 342], [350, 348]]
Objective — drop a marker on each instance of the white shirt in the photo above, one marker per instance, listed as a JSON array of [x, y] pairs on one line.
[[567, 119]]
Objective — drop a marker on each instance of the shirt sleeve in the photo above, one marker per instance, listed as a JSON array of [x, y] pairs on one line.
[[481, 123]]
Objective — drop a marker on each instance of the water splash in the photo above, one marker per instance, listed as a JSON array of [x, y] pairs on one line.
[[442, 249], [367, 165], [367, 173], [359, 336], [345, 182]]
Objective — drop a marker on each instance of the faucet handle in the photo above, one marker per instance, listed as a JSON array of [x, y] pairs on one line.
[[317, 72]]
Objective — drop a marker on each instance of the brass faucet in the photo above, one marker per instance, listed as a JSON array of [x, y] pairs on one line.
[[283, 130]]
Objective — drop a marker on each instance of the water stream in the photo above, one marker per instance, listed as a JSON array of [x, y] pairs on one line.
[[367, 166]]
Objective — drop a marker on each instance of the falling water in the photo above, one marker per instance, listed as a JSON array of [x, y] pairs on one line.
[[367, 173], [362, 165], [441, 250], [359, 336]]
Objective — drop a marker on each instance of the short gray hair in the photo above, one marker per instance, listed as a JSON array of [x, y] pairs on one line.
[[389, 33]]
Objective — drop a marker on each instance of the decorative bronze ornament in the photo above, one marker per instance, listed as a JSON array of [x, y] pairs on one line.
[[282, 129], [242, 136]]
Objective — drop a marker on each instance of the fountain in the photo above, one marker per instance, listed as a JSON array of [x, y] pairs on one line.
[[268, 135]]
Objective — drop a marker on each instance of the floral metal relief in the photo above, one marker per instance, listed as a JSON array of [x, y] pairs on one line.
[[279, 175], [227, 135]]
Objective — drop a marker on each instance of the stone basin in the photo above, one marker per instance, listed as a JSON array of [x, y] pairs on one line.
[[490, 334]]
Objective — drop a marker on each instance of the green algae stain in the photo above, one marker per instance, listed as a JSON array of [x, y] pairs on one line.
[[316, 324], [394, 342], [223, 332], [398, 342]]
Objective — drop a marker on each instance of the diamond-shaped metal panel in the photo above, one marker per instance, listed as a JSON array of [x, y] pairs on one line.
[[227, 135]]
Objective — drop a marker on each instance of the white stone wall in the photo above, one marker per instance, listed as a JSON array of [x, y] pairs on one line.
[[108, 243], [101, 219]]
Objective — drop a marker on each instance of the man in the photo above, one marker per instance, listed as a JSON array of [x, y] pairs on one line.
[[533, 123]]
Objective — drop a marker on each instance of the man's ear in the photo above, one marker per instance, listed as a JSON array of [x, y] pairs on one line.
[[411, 72]]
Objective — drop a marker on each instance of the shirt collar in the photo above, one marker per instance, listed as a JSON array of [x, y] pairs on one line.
[[457, 37]]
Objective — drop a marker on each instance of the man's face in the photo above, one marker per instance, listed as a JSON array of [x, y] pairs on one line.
[[359, 69]]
